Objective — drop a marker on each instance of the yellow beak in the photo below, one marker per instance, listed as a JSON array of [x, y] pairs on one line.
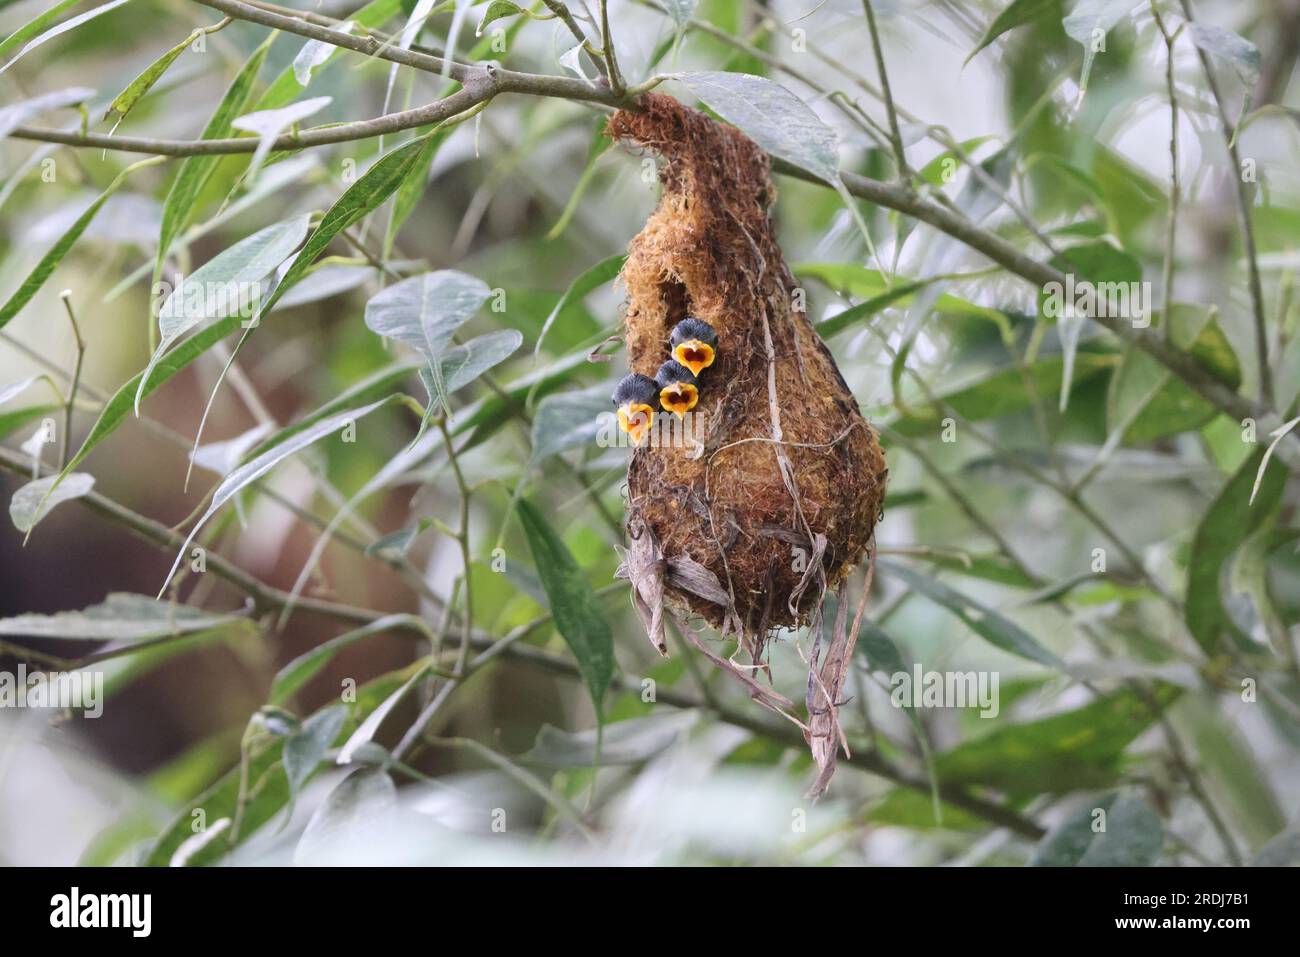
[[695, 355], [634, 418], [679, 398]]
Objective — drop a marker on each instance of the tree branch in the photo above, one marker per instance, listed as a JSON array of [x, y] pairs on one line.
[[436, 112], [1040, 274]]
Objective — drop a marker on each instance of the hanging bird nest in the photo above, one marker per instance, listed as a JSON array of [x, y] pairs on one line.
[[770, 495]]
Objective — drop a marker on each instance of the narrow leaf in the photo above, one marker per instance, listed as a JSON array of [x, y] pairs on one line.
[[222, 286], [578, 618], [119, 617], [62, 28], [269, 124], [985, 622], [1015, 14], [33, 501], [179, 206], [50, 261], [772, 116], [593, 278], [259, 466], [12, 117]]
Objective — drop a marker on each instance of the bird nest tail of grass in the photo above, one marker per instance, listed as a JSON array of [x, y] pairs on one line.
[[766, 497]]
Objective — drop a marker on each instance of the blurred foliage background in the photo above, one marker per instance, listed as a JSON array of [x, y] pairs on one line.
[[1098, 552]]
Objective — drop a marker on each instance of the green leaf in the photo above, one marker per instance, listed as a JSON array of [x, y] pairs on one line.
[[50, 261], [361, 198], [220, 287], [357, 803], [498, 10], [1230, 771], [631, 741], [380, 385], [1073, 750], [933, 171], [119, 407], [33, 501], [852, 279], [182, 198], [772, 116], [269, 124], [568, 420], [1003, 392], [290, 679], [865, 310], [912, 809], [600, 146], [12, 117], [1085, 19], [578, 617], [1132, 837], [1227, 523], [18, 388], [879, 648], [1237, 51], [62, 28], [34, 27], [1015, 14], [681, 11], [411, 189], [305, 748], [125, 101], [368, 728], [590, 280], [1100, 271], [269, 790], [1149, 403], [396, 544], [984, 621], [461, 365], [325, 282], [285, 87], [254, 469], [425, 311], [993, 567], [315, 53], [119, 617], [11, 422]]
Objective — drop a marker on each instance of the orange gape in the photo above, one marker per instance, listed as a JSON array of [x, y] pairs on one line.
[[679, 398], [635, 419], [695, 355]]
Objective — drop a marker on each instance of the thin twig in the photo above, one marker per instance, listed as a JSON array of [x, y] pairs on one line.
[[1175, 190], [75, 379], [895, 136], [616, 83], [1242, 196]]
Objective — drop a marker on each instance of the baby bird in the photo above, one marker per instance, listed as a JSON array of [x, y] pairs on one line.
[[694, 344], [678, 390], [634, 397]]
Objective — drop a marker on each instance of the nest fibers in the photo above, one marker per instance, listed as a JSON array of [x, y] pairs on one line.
[[769, 496]]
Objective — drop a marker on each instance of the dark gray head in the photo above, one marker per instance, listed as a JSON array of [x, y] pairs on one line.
[[636, 390]]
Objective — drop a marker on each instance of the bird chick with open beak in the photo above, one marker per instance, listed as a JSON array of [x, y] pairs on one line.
[[678, 389], [636, 398], [694, 344]]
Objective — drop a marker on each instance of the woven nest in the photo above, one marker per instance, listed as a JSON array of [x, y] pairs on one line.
[[790, 480], [775, 499]]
